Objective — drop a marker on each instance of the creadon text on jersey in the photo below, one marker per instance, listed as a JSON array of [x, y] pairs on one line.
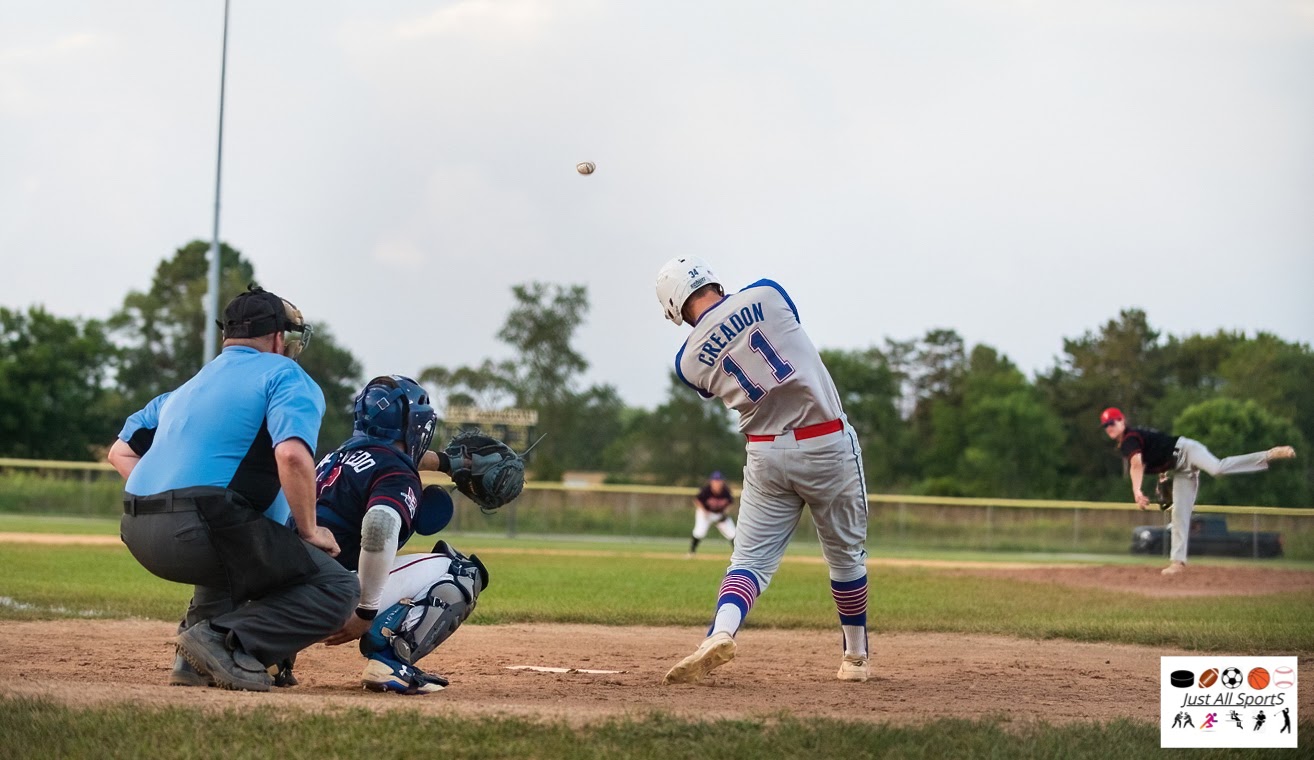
[[727, 330], [750, 351]]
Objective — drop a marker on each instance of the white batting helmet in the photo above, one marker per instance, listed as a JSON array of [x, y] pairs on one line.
[[677, 280]]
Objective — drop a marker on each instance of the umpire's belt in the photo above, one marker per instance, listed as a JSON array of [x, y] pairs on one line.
[[804, 433], [180, 500]]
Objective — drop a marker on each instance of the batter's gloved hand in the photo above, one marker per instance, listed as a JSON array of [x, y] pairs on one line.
[[486, 470]]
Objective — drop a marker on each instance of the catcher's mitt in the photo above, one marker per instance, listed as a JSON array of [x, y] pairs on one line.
[[486, 470], [1163, 491]]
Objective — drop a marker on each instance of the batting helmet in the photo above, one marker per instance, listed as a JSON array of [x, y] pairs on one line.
[[678, 280], [396, 408]]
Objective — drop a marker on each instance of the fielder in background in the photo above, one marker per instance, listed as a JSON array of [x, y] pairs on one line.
[[712, 507], [749, 349], [371, 498], [202, 464], [1178, 461]]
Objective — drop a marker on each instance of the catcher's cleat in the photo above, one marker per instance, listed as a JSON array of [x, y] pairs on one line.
[[282, 674], [1174, 569], [715, 651], [1280, 452], [853, 668], [382, 673], [209, 652], [185, 675]]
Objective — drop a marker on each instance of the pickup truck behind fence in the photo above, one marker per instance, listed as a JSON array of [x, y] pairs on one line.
[[1209, 536]]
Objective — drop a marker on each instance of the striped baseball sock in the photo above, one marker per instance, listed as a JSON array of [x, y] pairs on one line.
[[738, 592], [851, 601]]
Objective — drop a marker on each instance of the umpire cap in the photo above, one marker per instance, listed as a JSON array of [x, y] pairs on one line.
[[253, 314]]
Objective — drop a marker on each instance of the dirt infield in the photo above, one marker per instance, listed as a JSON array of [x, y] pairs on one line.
[[918, 677]]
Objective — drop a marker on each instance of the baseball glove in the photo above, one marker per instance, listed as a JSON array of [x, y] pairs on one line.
[[486, 470], [1163, 491]]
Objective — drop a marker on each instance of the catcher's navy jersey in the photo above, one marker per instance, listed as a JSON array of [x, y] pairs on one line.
[[750, 351], [351, 481]]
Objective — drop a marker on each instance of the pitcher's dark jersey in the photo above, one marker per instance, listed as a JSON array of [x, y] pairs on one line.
[[1156, 448], [352, 481]]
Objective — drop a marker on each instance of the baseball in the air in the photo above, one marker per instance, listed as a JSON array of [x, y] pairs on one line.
[[585, 167]]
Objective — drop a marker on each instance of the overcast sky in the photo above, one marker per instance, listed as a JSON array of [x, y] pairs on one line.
[[1016, 170]]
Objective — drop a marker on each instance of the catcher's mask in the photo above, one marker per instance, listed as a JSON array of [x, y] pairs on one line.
[[396, 408], [257, 313], [678, 280]]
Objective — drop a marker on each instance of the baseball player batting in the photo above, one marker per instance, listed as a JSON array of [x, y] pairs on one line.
[[749, 350]]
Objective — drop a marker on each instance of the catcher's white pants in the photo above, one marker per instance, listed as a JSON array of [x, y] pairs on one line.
[[411, 577], [780, 477], [1192, 458], [703, 520]]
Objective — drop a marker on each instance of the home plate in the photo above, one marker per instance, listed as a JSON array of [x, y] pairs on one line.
[[539, 669]]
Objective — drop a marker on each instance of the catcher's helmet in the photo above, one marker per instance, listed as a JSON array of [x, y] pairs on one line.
[[396, 408], [678, 280]]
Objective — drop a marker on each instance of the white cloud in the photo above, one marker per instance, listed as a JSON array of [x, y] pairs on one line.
[[60, 47], [399, 251], [504, 20]]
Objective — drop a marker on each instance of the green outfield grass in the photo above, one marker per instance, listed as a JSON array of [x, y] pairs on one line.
[[621, 583], [63, 524], [712, 547], [43, 729]]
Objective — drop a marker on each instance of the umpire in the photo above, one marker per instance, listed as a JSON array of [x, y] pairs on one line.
[[202, 464]]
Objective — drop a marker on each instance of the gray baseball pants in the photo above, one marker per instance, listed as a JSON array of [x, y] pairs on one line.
[[779, 478], [1192, 459], [176, 546]]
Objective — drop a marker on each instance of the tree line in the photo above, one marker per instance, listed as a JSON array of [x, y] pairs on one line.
[[934, 415]]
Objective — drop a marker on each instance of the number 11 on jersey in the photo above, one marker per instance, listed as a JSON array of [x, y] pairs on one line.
[[780, 369]]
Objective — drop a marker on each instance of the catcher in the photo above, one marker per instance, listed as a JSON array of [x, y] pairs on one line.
[[371, 499]]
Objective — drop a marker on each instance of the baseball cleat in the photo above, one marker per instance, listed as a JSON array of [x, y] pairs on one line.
[[853, 668], [185, 675], [1281, 452], [282, 674], [208, 652], [1174, 569], [382, 673], [715, 651]]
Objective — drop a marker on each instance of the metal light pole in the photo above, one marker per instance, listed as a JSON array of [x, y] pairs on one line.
[[212, 297]]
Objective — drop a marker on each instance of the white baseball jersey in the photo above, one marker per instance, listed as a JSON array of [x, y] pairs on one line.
[[750, 351]]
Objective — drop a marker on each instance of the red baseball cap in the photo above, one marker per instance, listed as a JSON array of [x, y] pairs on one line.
[[1112, 414]]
